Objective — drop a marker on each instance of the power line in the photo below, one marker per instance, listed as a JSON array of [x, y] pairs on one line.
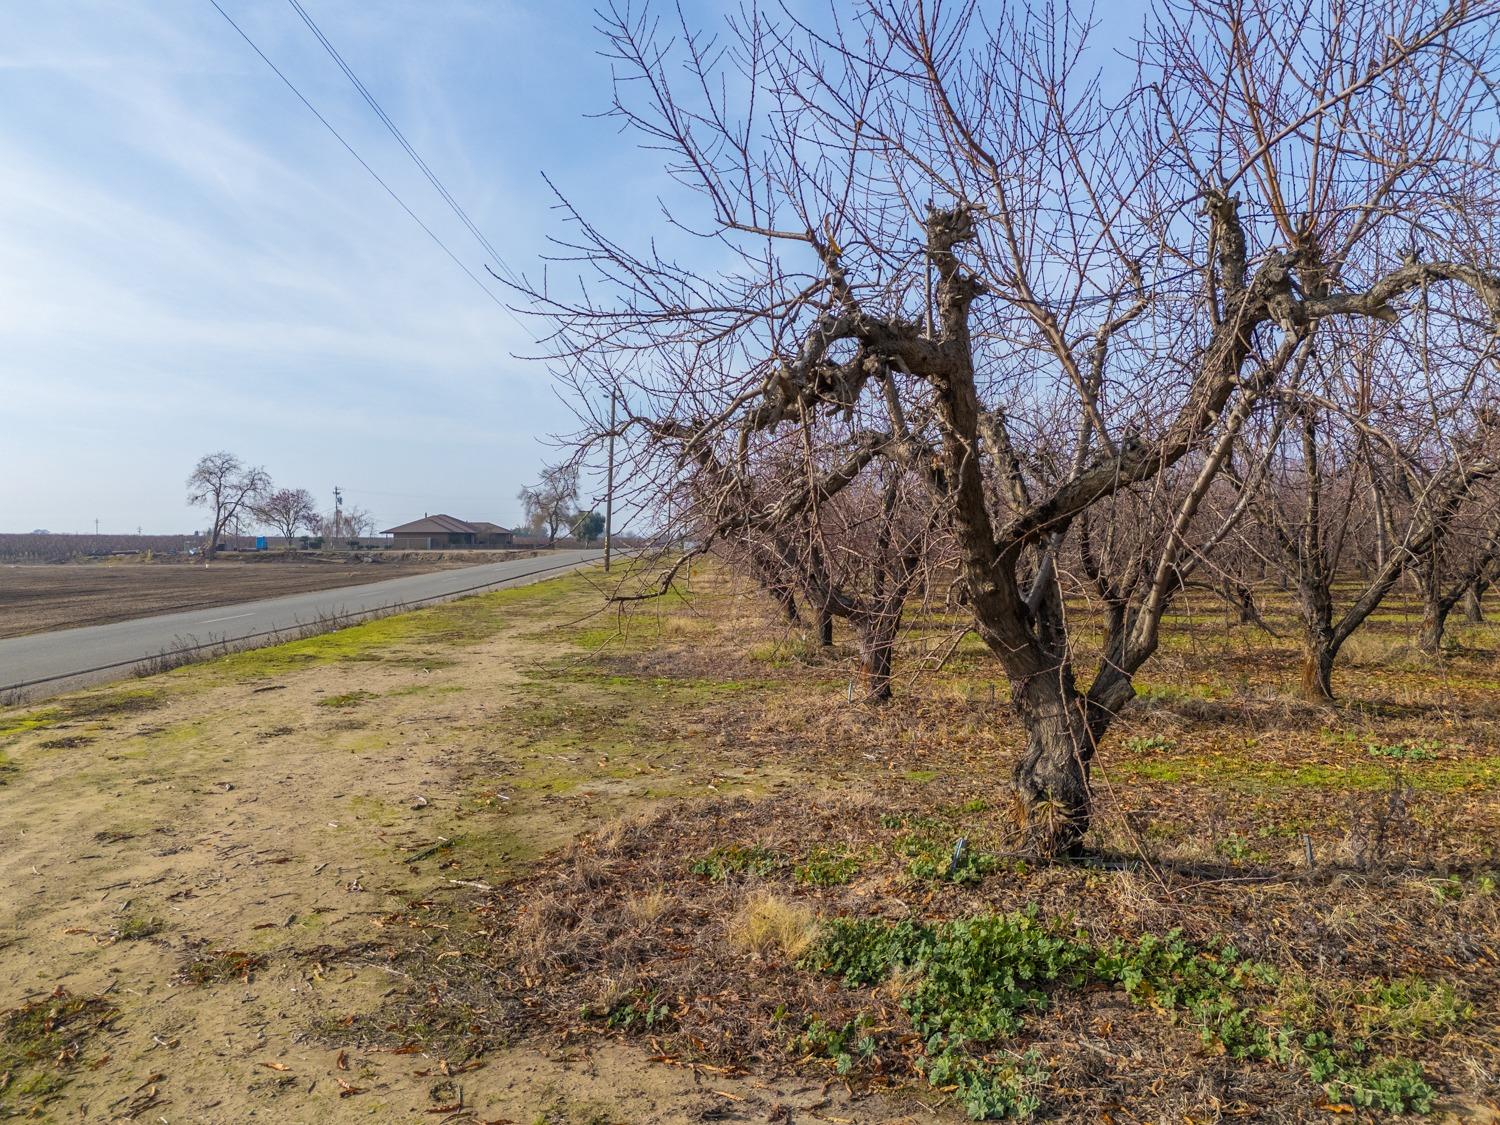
[[350, 149], [395, 131]]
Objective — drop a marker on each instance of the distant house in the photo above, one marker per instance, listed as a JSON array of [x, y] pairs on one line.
[[492, 534], [442, 532]]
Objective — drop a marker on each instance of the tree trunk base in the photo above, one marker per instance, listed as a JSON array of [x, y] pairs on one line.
[[1317, 678], [825, 629], [1051, 782]]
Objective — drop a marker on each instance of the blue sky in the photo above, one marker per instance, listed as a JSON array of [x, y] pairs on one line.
[[189, 262]]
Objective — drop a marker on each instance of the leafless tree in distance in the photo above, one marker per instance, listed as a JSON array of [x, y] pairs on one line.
[[227, 488], [288, 511], [549, 503]]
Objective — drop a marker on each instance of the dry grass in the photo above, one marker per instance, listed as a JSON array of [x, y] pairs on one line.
[[1212, 793], [768, 923], [649, 907]]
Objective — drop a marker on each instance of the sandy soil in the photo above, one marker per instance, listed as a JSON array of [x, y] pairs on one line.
[[35, 599], [256, 823]]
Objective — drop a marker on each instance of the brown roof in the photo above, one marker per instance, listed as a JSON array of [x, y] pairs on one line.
[[489, 528], [433, 525]]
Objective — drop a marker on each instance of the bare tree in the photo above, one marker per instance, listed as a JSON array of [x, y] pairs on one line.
[[345, 523], [1462, 564], [856, 552], [1375, 446], [288, 511], [358, 521], [549, 504], [1104, 297], [225, 486]]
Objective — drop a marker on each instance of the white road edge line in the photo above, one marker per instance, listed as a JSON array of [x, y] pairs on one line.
[[235, 617]]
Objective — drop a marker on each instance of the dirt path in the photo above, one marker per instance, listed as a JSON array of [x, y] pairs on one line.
[[218, 853]]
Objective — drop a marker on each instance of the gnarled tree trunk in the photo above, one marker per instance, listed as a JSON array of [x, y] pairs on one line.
[[1434, 622], [1052, 777], [1318, 653]]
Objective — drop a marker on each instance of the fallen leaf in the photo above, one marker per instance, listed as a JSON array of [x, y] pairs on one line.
[[342, 1060], [275, 1066]]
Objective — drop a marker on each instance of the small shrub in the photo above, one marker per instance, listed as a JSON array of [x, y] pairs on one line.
[[1235, 847], [846, 1046], [639, 1010], [220, 965], [987, 1089], [1406, 751], [972, 982], [646, 909], [136, 928], [932, 858]]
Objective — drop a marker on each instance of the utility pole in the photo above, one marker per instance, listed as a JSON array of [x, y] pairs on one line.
[[96, 527], [338, 511], [609, 486]]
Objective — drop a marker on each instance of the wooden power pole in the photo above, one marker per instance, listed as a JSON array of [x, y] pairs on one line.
[[609, 486]]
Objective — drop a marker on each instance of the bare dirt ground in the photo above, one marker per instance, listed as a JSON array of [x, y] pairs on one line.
[[36, 599], [503, 861], [208, 880]]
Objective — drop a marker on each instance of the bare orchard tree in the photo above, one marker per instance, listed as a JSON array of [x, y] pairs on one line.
[[855, 552], [1372, 443], [1462, 564], [926, 233], [549, 503], [225, 486], [288, 511]]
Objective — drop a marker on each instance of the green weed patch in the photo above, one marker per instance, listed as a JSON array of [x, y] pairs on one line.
[[971, 983], [724, 861], [347, 699], [1249, 775], [826, 867]]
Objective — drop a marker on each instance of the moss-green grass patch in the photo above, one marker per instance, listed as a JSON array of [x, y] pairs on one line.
[[42, 1044]]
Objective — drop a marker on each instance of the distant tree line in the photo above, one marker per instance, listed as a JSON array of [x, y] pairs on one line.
[[233, 493]]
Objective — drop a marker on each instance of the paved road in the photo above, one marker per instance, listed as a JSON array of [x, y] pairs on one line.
[[48, 662]]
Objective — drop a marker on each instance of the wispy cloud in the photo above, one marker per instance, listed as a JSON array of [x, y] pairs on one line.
[[191, 261]]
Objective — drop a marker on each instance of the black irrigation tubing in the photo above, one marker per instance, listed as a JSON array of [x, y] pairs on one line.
[[345, 619]]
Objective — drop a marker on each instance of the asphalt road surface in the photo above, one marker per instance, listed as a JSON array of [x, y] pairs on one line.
[[45, 663]]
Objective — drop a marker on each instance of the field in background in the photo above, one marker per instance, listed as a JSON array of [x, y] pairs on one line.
[[515, 858], [58, 547], [38, 599]]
